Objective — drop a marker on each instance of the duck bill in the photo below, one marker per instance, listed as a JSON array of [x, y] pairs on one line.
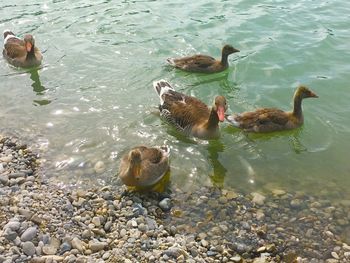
[[313, 95], [29, 46], [221, 113]]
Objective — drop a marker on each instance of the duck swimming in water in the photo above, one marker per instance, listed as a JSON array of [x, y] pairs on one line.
[[21, 53], [189, 115], [272, 119], [203, 63]]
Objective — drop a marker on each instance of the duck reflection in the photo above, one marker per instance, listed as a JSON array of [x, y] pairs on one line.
[[219, 171], [38, 88]]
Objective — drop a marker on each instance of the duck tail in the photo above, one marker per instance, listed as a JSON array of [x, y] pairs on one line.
[[162, 86], [171, 61], [232, 119], [8, 32], [165, 149]]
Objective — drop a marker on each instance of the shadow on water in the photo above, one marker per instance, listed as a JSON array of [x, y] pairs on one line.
[[38, 88]]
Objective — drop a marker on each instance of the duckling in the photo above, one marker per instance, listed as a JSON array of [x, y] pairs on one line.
[[203, 63], [144, 166], [188, 114], [272, 119], [21, 53]]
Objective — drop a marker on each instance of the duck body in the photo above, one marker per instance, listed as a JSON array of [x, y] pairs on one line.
[[144, 166], [188, 114], [271, 119], [203, 63], [21, 53]]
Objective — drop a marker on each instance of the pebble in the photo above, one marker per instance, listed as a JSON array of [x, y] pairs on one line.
[[99, 167], [165, 204], [208, 225], [258, 198], [29, 234], [335, 255], [28, 248], [96, 246], [77, 244]]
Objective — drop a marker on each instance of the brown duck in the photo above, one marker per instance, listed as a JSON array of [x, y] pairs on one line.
[[21, 53], [203, 63], [144, 166], [188, 114], [272, 119]]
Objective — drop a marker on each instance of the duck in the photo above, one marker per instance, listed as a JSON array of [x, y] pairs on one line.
[[21, 53], [265, 120], [203, 63], [189, 115], [144, 166]]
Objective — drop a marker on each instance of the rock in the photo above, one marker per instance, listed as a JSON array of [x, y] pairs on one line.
[[28, 248], [29, 234], [296, 203], [77, 244], [99, 167], [165, 204], [236, 259], [10, 234], [96, 246], [278, 192], [122, 232], [258, 198], [335, 255], [96, 221], [65, 246], [4, 179], [49, 250]]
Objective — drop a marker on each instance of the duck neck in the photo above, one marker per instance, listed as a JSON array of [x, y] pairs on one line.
[[224, 59], [31, 53], [297, 110], [213, 120]]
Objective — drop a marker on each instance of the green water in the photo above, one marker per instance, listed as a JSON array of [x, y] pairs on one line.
[[93, 98]]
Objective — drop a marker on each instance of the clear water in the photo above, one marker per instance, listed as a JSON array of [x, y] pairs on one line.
[[93, 99]]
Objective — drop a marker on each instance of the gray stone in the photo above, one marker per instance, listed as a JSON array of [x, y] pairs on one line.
[[165, 204], [65, 247], [13, 225], [96, 246], [10, 234], [4, 179], [28, 248], [29, 234]]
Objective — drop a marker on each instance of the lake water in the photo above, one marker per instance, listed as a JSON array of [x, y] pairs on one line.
[[93, 98]]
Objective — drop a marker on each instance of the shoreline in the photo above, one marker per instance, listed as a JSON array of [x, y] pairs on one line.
[[41, 222]]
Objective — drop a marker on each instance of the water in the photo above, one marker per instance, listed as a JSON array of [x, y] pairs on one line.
[[93, 99]]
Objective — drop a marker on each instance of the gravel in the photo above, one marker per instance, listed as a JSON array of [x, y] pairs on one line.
[[41, 222]]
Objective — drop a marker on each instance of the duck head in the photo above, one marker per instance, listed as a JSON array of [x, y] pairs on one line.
[[228, 49], [304, 92], [220, 107], [135, 163], [29, 42]]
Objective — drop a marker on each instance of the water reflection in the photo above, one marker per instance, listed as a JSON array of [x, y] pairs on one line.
[[219, 171], [38, 88]]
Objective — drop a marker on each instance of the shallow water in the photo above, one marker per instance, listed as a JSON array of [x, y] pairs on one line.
[[93, 98]]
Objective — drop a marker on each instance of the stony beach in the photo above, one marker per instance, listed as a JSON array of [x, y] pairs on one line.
[[40, 222]]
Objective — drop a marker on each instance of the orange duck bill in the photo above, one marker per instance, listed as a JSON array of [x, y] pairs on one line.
[[221, 113]]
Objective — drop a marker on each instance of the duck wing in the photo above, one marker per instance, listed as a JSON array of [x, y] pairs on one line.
[[261, 120], [194, 63], [182, 111]]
